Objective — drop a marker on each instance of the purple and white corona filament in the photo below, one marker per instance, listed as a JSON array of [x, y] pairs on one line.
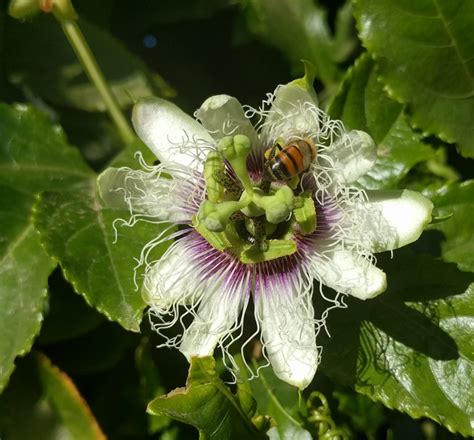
[[246, 238]]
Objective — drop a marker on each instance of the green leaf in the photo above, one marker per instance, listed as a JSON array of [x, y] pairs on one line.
[[411, 348], [365, 415], [79, 232], [362, 104], [95, 352], [63, 395], [301, 31], [151, 384], [24, 271], [207, 404], [29, 406], [457, 199], [33, 156], [40, 60], [425, 50], [281, 402]]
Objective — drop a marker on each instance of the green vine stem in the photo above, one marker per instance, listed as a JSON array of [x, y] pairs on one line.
[[65, 14]]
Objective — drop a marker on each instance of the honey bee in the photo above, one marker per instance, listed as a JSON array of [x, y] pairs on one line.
[[284, 162]]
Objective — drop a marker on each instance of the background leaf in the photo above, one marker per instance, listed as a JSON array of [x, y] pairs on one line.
[[207, 404], [67, 402], [301, 31], [410, 348], [47, 399], [362, 104], [281, 402], [59, 77], [425, 52]]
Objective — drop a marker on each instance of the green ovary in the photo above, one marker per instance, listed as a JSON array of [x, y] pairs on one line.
[[253, 224]]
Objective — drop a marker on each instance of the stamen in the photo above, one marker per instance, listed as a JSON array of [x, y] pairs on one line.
[[214, 164], [236, 150]]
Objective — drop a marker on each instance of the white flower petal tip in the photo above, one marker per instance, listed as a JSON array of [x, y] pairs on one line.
[[166, 129], [399, 218], [223, 115], [354, 155], [297, 372], [287, 323], [352, 275]]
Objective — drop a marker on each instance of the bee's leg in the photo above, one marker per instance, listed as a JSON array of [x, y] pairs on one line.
[[293, 182]]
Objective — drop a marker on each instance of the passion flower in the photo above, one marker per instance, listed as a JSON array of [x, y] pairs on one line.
[[258, 221]]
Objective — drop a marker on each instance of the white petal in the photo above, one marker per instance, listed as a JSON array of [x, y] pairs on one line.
[[349, 273], [353, 155], [172, 280], [216, 318], [165, 129], [223, 115], [146, 193], [293, 112], [396, 219], [287, 323]]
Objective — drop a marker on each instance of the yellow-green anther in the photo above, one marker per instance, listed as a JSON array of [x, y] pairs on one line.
[[305, 213], [236, 149], [216, 215], [278, 206], [274, 249], [214, 163]]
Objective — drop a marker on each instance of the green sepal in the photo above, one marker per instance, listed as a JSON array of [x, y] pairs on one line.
[[214, 163], [276, 249], [439, 218], [306, 82], [305, 213]]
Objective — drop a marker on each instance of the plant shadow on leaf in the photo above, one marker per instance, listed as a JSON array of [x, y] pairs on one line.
[[406, 313]]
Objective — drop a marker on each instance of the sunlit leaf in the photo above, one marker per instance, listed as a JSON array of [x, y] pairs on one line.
[[80, 234], [457, 200], [24, 271], [412, 347], [425, 51], [362, 104], [207, 404], [34, 156]]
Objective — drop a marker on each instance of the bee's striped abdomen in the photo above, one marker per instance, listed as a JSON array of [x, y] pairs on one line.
[[292, 160]]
